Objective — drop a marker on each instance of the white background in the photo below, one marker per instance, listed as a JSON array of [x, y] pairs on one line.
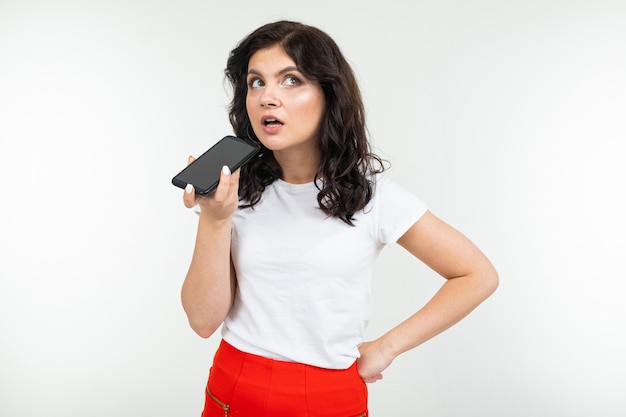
[[506, 117]]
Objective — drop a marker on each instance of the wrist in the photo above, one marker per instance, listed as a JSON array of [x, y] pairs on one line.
[[398, 340], [388, 347], [210, 222]]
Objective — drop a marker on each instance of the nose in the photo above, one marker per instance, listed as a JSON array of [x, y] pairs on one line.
[[269, 97]]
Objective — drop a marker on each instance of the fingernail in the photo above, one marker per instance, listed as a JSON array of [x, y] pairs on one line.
[[225, 170], [189, 188]]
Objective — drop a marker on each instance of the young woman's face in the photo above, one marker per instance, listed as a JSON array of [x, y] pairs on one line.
[[285, 108]]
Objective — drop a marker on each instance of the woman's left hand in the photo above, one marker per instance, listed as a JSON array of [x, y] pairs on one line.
[[372, 362]]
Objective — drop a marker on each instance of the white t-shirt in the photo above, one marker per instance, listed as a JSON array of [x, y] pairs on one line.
[[303, 278]]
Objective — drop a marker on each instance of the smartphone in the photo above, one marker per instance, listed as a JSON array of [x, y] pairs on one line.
[[204, 172]]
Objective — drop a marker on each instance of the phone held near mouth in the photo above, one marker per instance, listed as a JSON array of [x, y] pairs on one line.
[[204, 172]]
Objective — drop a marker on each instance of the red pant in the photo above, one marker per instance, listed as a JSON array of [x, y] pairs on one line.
[[245, 385]]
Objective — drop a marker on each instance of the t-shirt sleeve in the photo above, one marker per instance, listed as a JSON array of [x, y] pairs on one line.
[[398, 209]]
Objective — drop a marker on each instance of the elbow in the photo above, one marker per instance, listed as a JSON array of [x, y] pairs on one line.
[[203, 317], [204, 329], [205, 334], [491, 280], [203, 323]]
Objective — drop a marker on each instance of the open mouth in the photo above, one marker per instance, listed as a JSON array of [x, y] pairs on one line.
[[272, 122]]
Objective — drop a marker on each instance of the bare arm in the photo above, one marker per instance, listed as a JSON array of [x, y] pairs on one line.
[[470, 279], [209, 287]]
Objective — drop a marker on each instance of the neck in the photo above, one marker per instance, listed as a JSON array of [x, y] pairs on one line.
[[298, 169]]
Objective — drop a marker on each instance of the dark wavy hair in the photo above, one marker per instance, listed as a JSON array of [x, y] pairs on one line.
[[347, 161]]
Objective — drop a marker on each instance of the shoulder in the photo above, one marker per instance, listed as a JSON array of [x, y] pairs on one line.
[[386, 188], [395, 207]]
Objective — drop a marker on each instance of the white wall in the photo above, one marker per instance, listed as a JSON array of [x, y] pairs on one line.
[[506, 117]]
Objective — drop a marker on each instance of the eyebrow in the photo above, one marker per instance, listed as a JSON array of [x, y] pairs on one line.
[[282, 71]]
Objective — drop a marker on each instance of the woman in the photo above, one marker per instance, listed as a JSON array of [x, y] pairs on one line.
[[285, 246]]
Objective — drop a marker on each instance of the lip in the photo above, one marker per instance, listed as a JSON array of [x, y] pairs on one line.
[[271, 129]]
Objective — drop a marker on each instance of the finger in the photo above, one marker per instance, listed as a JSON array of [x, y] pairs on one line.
[[190, 159], [224, 185], [189, 197], [234, 181]]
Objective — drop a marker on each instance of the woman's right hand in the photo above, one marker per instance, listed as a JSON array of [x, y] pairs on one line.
[[209, 287], [220, 204]]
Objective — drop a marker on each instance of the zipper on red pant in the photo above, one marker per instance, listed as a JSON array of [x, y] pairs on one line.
[[226, 407]]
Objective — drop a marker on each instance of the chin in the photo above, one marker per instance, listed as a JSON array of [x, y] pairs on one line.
[[271, 144]]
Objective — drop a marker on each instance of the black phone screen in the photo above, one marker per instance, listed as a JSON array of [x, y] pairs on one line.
[[204, 172]]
